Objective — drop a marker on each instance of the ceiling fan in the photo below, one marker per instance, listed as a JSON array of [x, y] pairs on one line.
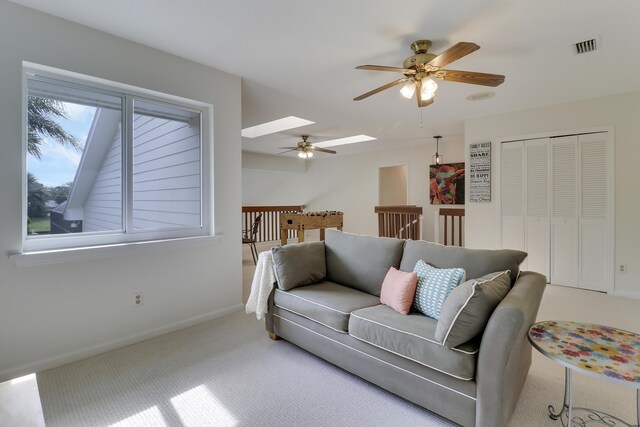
[[422, 68], [305, 149]]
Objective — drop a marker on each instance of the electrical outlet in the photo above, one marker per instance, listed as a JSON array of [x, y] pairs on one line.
[[137, 299], [622, 268]]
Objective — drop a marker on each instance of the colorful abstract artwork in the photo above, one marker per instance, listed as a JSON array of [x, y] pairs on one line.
[[446, 183]]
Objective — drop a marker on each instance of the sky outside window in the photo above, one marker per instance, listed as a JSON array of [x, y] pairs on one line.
[[59, 162]]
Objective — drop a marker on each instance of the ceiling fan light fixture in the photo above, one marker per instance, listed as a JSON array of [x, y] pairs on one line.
[[305, 153], [408, 89], [428, 88], [418, 68]]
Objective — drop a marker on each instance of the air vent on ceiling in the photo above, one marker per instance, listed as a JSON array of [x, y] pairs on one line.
[[587, 46]]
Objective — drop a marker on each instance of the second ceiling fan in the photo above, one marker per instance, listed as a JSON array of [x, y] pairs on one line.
[[305, 149], [423, 67]]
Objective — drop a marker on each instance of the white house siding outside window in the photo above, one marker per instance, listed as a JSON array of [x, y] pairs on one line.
[[111, 164]]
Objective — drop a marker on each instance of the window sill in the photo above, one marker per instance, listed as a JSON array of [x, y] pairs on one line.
[[97, 252]]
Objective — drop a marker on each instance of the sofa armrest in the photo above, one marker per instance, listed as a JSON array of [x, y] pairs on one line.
[[268, 318], [505, 352]]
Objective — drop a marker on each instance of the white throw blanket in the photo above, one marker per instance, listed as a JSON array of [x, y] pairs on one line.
[[262, 285]]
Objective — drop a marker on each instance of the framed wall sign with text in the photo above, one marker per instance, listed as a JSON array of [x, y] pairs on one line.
[[480, 172]]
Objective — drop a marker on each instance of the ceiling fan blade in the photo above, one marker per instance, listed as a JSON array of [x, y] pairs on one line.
[[380, 89], [422, 102], [287, 151], [472, 77], [288, 148], [419, 94], [385, 68], [454, 53], [427, 102], [323, 150]]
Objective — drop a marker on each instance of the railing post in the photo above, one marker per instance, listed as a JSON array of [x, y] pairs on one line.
[[450, 232], [399, 221]]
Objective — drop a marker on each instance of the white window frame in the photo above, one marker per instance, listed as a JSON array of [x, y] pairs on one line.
[[129, 235]]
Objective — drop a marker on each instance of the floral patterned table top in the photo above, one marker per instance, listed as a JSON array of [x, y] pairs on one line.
[[590, 348]]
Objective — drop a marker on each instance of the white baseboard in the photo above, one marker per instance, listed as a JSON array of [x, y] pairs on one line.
[[627, 294], [74, 356]]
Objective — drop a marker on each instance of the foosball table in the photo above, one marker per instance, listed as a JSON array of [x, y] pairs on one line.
[[308, 221]]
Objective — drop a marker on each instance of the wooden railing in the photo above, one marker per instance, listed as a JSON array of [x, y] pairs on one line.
[[270, 226], [402, 222], [452, 227]]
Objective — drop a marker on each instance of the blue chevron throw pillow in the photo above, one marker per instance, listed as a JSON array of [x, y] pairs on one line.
[[434, 286]]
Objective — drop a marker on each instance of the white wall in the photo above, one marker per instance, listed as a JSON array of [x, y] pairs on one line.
[[50, 314], [272, 180], [393, 181], [619, 111], [349, 183]]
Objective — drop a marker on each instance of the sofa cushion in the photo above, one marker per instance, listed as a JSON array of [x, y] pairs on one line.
[[434, 286], [327, 303], [299, 264], [412, 337], [476, 262], [361, 262], [468, 308], [398, 290]]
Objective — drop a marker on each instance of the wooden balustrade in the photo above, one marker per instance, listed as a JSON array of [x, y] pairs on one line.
[[402, 222], [450, 231], [270, 227]]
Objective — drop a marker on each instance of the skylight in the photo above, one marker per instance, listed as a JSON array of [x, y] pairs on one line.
[[279, 125], [342, 141]]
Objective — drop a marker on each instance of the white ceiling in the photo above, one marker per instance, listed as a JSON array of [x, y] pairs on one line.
[[297, 57]]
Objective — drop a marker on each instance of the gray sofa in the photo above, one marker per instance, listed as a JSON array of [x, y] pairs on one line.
[[338, 317]]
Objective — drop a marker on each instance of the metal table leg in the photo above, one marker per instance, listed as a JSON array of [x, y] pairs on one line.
[[566, 402], [585, 416], [567, 374]]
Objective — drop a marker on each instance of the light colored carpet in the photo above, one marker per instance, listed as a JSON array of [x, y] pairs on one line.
[[222, 373], [226, 372]]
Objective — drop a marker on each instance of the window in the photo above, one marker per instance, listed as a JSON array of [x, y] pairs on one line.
[[107, 163]]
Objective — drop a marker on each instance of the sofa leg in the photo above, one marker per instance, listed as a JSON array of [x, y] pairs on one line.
[[273, 336]]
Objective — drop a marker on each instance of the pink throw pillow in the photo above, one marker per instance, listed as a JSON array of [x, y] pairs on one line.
[[398, 290]]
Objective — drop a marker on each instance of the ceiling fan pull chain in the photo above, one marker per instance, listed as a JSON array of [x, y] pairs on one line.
[[421, 118]]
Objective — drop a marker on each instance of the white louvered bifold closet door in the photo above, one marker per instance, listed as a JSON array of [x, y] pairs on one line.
[[512, 184], [594, 202], [556, 206], [537, 223], [564, 212]]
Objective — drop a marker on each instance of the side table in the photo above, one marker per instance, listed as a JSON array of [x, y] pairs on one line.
[[602, 352]]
